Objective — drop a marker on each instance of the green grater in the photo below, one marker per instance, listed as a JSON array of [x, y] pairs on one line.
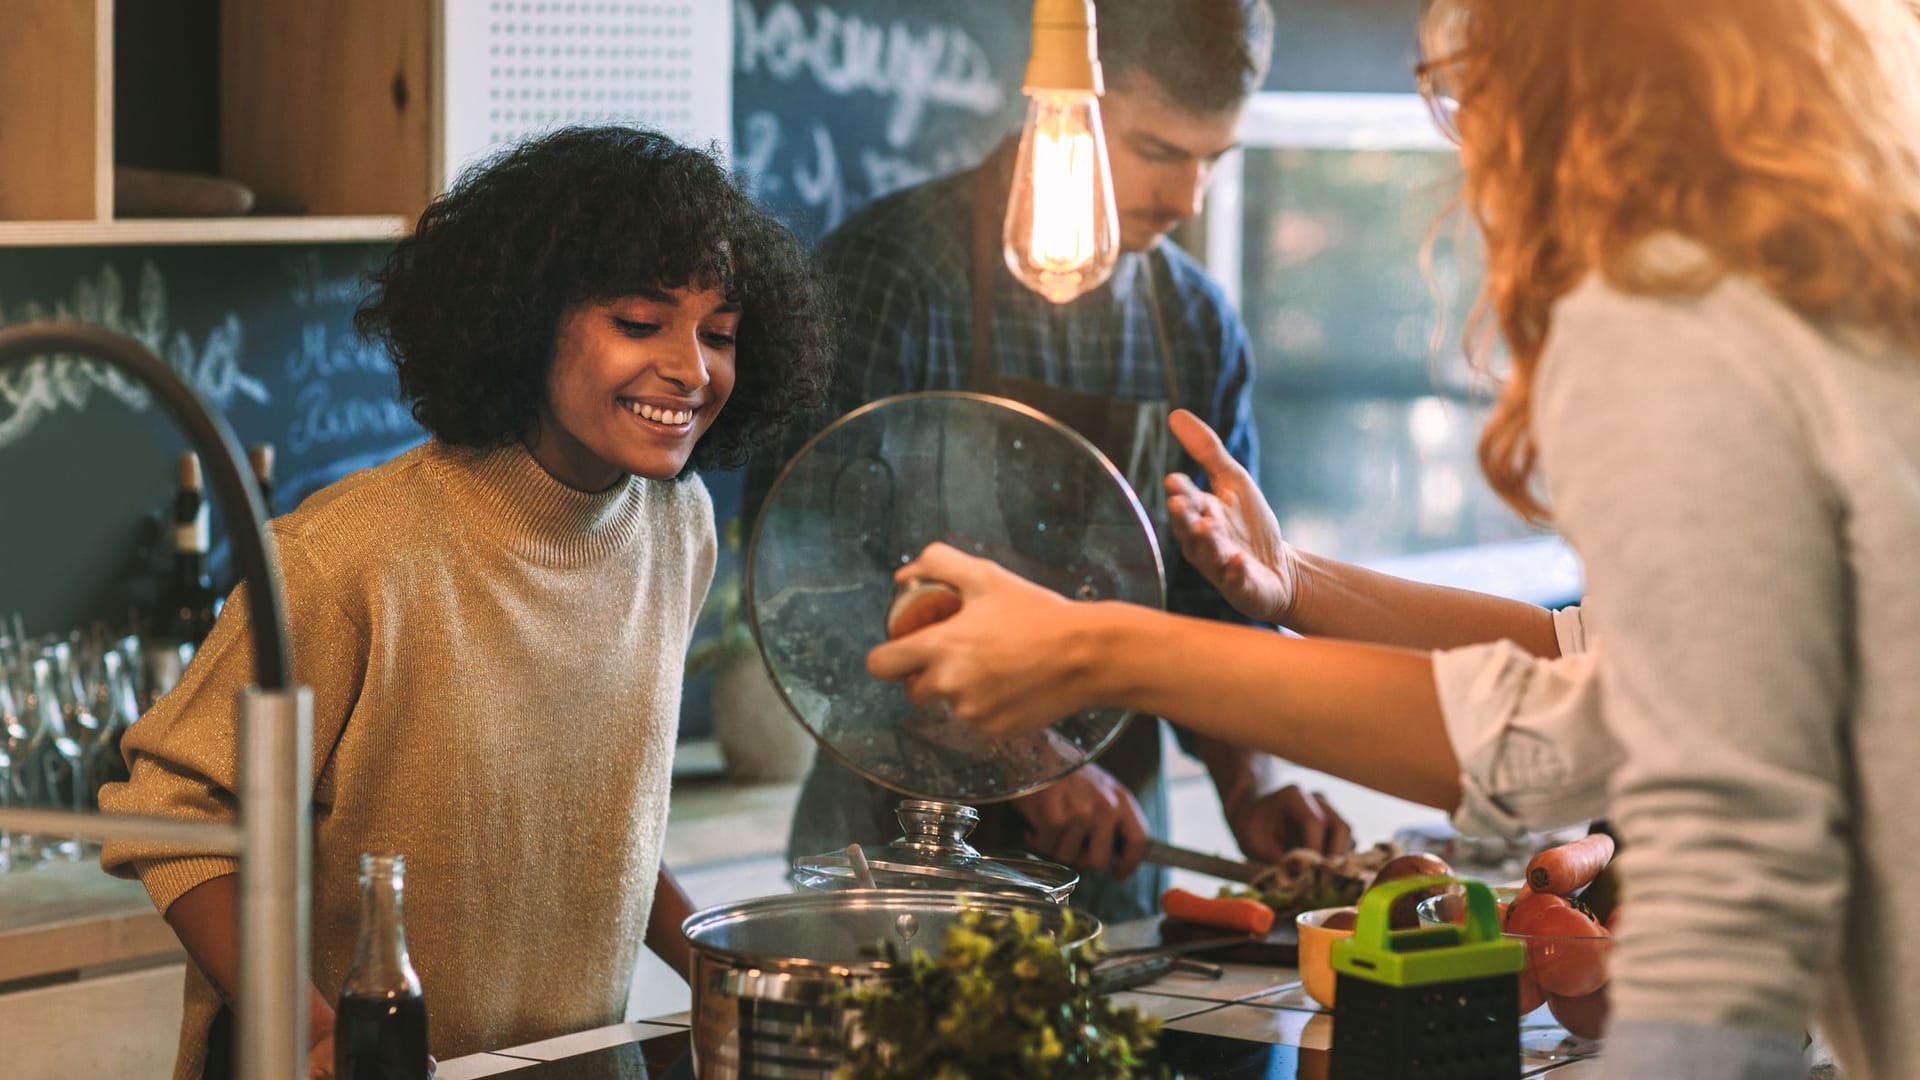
[[1437, 1002]]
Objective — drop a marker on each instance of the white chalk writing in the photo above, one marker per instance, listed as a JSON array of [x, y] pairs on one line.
[[916, 70], [939, 65], [321, 419], [321, 356], [313, 287], [48, 384]]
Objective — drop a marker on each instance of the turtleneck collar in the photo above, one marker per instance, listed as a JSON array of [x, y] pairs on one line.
[[524, 507]]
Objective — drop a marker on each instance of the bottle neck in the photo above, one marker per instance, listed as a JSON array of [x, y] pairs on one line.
[[381, 966], [191, 532], [190, 568]]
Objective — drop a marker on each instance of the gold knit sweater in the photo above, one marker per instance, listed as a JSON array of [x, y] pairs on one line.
[[495, 661]]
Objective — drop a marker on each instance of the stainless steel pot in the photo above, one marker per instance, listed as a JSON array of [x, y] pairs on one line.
[[766, 970]]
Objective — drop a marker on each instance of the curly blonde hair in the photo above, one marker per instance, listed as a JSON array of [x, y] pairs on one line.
[[1782, 135]]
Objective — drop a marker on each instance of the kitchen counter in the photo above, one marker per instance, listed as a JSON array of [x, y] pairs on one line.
[[1260, 1011], [68, 917]]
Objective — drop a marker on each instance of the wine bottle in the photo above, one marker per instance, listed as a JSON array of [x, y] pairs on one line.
[[187, 605], [260, 456], [380, 1020]]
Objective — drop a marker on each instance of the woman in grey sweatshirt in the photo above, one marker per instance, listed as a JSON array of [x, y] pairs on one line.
[[1702, 227]]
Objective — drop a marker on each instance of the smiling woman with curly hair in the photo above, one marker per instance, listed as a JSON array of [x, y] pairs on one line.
[[471, 303], [494, 623]]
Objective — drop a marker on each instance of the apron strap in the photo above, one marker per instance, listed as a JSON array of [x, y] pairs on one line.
[[984, 375], [1162, 343]]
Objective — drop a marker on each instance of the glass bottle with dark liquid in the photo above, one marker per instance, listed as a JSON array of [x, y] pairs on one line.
[[380, 1022], [188, 605]]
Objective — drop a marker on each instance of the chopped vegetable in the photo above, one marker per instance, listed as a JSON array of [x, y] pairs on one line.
[[1226, 912], [1005, 1001], [1308, 881]]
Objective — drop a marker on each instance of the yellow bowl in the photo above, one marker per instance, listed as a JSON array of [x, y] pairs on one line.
[[1316, 951]]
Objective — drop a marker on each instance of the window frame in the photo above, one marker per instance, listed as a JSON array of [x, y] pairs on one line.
[[1542, 570]]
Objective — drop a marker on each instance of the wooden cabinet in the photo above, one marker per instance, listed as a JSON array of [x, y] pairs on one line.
[[329, 106], [56, 123], [325, 111]]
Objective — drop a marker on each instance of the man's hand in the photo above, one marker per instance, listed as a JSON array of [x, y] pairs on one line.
[[1269, 825], [1088, 820], [1229, 533]]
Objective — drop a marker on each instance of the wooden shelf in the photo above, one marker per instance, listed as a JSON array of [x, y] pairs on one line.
[[326, 106], [247, 230]]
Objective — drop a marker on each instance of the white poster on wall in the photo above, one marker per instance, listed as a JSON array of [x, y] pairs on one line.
[[517, 67]]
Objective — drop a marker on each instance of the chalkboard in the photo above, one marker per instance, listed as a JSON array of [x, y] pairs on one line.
[[87, 459], [839, 101]]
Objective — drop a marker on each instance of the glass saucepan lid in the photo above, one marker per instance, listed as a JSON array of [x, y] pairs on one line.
[[989, 476]]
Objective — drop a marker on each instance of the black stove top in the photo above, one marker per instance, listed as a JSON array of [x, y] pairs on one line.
[[1200, 1057]]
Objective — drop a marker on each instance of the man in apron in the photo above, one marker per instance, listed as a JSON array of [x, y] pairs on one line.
[[930, 305]]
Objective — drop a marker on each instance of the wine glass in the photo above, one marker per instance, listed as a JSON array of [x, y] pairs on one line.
[[22, 849], [53, 770]]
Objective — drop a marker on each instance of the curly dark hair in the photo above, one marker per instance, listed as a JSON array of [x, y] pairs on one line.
[[468, 305]]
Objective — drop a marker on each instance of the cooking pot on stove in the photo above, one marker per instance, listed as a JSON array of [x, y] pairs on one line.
[[988, 476], [767, 971], [862, 498]]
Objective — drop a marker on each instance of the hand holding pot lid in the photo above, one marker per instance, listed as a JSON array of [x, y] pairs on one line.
[[993, 665], [827, 580]]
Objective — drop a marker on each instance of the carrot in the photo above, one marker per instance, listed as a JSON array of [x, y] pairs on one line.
[[1566, 868], [1228, 913]]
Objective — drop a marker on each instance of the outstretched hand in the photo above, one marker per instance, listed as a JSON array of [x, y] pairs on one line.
[[1009, 662], [1229, 533]]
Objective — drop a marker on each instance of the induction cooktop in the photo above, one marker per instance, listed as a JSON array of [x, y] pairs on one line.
[[1198, 1056]]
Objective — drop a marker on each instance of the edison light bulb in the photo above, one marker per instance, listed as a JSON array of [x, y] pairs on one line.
[[1062, 233]]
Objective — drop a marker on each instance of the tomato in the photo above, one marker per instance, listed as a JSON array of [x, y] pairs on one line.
[[1531, 996], [1532, 906], [1585, 1016], [1566, 949]]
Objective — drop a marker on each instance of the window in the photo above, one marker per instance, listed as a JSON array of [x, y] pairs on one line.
[[1367, 411]]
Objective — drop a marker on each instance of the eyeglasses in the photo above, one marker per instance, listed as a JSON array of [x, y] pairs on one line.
[[1444, 107]]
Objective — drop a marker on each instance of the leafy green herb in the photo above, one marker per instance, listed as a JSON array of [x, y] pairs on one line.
[[1004, 1001]]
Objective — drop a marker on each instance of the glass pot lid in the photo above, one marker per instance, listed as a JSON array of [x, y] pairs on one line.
[[989, 476], [932, 853]]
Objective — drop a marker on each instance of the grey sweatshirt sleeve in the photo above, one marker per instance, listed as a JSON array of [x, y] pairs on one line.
[[1533, 747], [1676, 466]]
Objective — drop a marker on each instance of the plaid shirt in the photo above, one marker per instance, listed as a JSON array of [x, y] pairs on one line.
[[902, 269]]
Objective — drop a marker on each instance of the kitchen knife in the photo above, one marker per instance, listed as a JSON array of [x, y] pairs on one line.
[[1248, 873]]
